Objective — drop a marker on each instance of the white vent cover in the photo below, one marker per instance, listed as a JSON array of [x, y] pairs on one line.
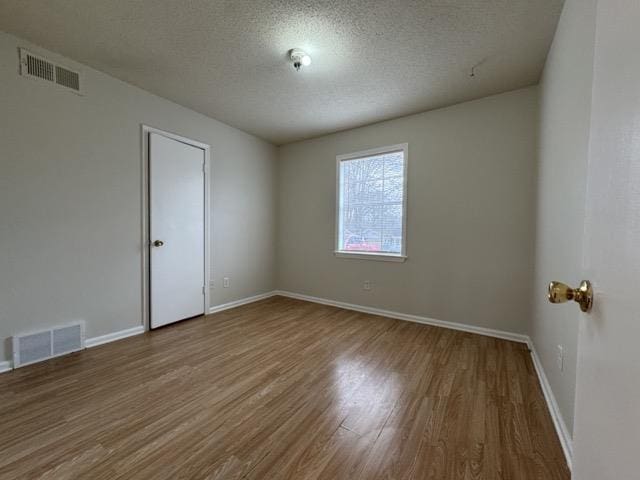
[[35, 347], [35, 66]]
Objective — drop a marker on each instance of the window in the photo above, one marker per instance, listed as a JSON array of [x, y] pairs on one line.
[[372, 204]]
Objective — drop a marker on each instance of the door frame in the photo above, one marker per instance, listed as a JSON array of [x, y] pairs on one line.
[[146, 211]]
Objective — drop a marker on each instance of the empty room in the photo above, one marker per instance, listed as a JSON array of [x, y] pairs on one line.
[[337, 240]]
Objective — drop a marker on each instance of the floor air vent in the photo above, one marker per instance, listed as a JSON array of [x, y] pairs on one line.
[[35, 66], [35, 347]]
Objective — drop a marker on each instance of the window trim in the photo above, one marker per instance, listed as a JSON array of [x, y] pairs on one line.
[[380, 256]]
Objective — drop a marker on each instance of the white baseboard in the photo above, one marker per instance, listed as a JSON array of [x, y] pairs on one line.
[[137, 330], [92, 342], [6, 366], [515, 337], [552, 405], [554, 410], [242, 301], [112, 337], [558, 421]]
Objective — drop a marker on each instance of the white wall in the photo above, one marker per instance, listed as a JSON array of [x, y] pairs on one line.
[[470, 209], [565, 106], [70, 175]]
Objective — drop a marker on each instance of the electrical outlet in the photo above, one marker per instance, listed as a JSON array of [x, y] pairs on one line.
[[367, 285], [560, 357], [226, 282]]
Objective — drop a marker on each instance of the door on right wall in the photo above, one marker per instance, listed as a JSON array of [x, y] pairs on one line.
[[607, 418]]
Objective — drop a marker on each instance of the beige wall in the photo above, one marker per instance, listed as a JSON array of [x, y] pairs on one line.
[[470, 232], [565, 105], [70, 201]]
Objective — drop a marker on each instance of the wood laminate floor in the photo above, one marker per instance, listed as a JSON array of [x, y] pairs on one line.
[[282, 389]]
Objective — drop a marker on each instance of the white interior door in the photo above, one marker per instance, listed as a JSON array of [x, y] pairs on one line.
[[176, 230], [607, 419]]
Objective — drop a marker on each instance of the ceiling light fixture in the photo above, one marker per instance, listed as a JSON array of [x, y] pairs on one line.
[[299, 58]]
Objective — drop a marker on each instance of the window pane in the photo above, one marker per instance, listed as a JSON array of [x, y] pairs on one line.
[[361, 228], [363, 169], [371, 203], [364, 192], [393, 189], [392, 241], [392, 217], [394, 164]]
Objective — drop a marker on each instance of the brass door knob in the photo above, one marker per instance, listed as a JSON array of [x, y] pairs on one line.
[[158, 243], [560, 293]]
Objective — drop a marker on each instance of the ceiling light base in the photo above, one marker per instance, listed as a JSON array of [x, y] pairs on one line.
[[299, 58]]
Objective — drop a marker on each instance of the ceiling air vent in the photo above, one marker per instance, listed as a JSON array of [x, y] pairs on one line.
[[35, 66], [67, 78]]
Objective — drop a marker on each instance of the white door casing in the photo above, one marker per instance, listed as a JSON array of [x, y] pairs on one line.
[[607, 418], [176, 219]]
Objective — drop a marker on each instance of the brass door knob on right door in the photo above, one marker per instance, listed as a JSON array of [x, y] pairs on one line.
[[560, 292]]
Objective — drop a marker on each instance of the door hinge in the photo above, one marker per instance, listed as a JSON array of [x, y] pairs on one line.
[[204, 167], [203, 289]]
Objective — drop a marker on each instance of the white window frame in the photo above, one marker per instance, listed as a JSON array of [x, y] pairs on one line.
[[380, 256]]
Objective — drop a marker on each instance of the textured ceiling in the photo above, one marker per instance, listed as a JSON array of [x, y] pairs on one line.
[[372, 60]]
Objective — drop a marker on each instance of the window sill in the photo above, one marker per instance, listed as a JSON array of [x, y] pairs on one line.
[[380, 257]]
